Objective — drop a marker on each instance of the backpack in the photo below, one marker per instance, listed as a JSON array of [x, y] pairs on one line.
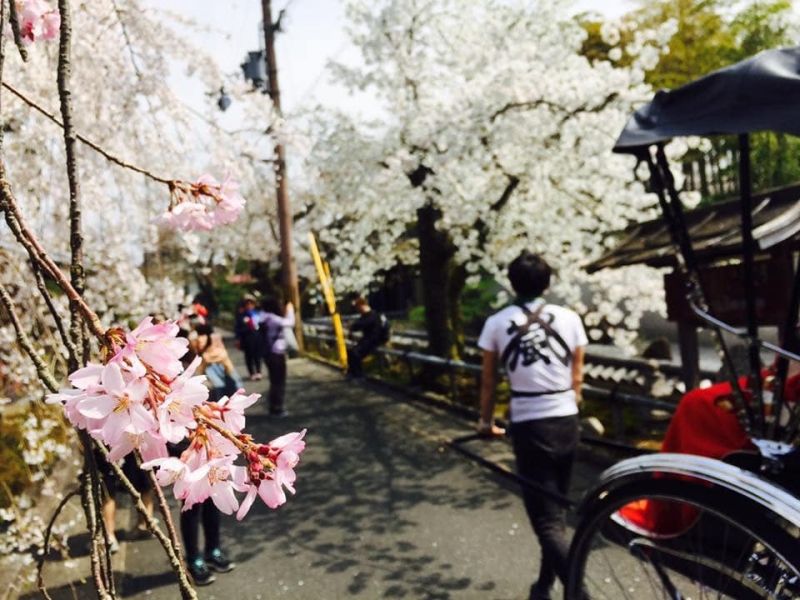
[[385, 331]]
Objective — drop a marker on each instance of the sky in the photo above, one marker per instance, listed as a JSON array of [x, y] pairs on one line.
[[314, 34]]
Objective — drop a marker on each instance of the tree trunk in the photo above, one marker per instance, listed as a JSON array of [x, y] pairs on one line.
[[458, 279], [442, 282]]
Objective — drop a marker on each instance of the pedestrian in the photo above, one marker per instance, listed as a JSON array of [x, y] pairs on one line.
[[223, 381], [374, 328], [272, 342], [201, 565], [541, 346], [216, 365], [246, 331], [112, 485]]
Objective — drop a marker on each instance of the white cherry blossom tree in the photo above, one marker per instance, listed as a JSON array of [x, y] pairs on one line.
[[497, 137]]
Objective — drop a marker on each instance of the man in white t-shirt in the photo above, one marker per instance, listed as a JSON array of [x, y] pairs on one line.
[[541, 347]]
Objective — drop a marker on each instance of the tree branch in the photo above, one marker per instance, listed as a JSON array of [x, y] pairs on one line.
[[14, 19], [46, 548], [24, 236], [25, 343], [48, 299], [88, 502], [513, 182], [93, 145], [163, 507], [64, 71], [511, 106]]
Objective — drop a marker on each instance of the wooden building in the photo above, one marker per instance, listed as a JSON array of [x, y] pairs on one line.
[[717, 242]]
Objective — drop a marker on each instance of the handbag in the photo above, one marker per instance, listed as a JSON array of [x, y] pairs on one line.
[[222, 382], [292, 346]]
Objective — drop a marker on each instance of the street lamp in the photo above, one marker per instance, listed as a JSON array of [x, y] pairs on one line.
[[224, 100], [254, 69]]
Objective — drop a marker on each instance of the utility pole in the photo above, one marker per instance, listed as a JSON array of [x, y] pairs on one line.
[[288, 268]]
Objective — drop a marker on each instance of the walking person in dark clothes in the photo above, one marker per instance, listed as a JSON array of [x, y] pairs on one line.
[[222, 380], [273, 346], [373, 327], [246, 331], [213, 558], [541, 347]]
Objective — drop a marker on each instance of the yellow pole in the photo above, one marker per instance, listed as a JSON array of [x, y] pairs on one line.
[[330, 299]]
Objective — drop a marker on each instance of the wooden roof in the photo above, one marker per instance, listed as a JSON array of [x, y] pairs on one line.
[[714, 229]]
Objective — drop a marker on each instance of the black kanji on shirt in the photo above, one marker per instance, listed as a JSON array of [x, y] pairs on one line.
[[532, 342]]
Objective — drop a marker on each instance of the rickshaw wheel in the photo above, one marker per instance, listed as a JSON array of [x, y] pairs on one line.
[[735, 536]]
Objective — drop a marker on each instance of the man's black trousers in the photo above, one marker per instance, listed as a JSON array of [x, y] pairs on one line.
[[356, 355], [545, 452]]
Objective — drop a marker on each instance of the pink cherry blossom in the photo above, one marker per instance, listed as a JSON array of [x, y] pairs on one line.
[[284, 451], [187, 216], [87, 377], [203, 205], [210, 480], [291, 442], [151, 446], [142, 398], [231, 410], [268, 490], [170, 470], [120, 407], [157, 346], [175, 414], [70, 399], [37, 20]]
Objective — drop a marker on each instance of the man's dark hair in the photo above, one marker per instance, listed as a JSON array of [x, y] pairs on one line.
[[529, 274]]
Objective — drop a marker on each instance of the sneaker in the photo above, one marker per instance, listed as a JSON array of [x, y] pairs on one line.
[[218, 562], [113, 545], [539, 592], [200, 573]]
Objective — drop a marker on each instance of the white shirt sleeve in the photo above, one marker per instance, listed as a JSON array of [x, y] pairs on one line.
[[488, 338], [579, 338]]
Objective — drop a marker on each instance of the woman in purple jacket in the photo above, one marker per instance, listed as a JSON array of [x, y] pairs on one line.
[[273, 346]]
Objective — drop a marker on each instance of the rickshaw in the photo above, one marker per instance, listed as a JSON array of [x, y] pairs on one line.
[[717, 528]]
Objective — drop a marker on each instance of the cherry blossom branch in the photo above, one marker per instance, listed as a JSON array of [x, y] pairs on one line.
[[90, 512], [106, 537], [25, 343], [48, 299], [166, 513], [163, 507], [100, 538], [93, 145], [46, 548], [203, 418], [2, 57], [13, 17], [63, 75], [24, 236], [187, 592]]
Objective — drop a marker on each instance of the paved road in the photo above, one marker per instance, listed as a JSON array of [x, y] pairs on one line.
[[383, 509]]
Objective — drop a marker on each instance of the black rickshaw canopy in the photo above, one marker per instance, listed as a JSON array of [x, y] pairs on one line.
[[761, 93]]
